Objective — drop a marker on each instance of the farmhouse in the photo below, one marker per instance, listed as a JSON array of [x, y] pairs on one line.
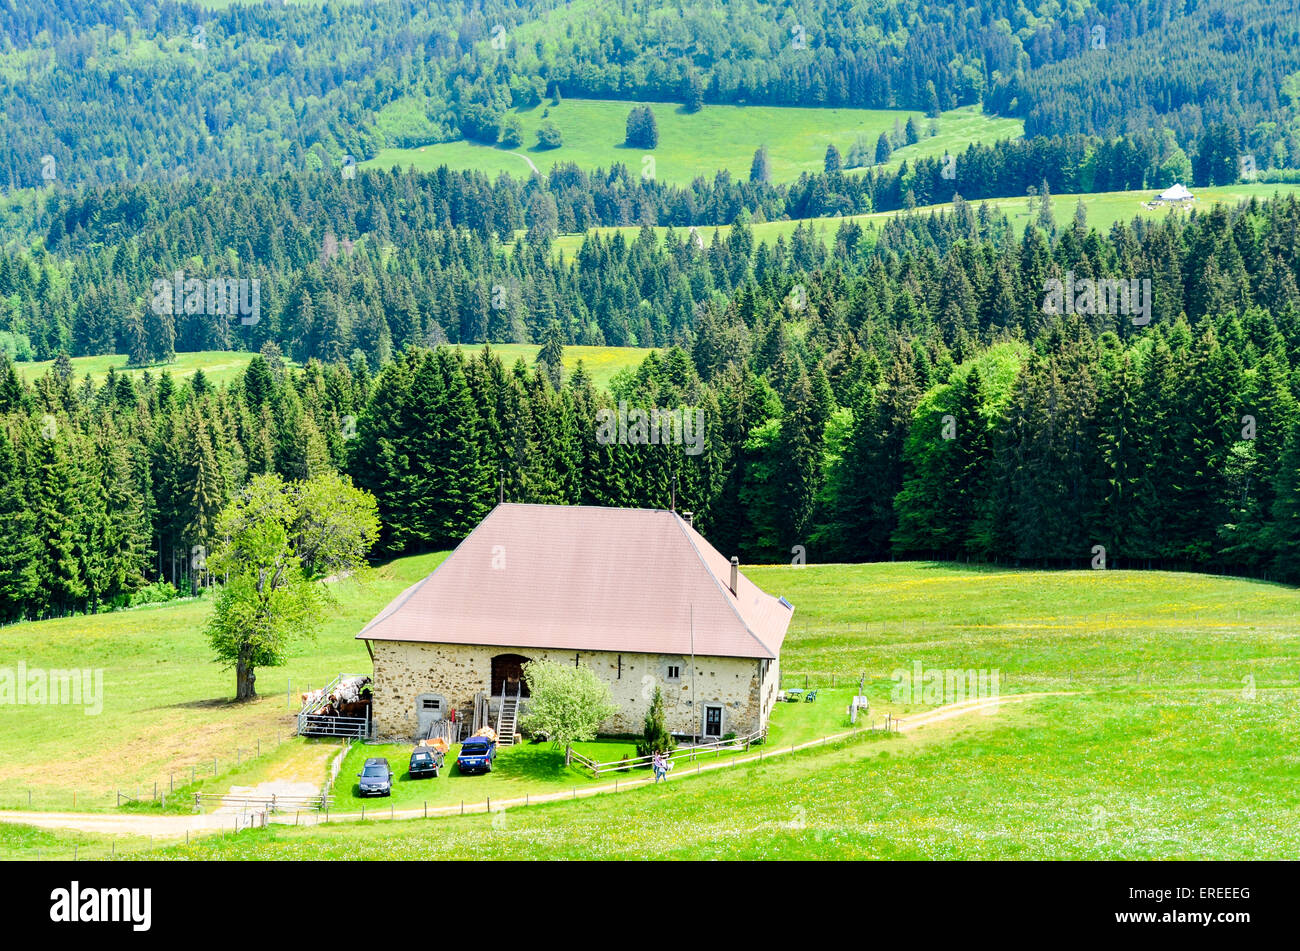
[[637, 595], [1175, 195]]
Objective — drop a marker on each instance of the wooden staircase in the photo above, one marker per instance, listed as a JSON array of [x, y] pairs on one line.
[[508, 718]]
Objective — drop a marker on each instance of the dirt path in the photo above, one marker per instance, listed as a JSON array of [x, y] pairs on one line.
[[172, 827]]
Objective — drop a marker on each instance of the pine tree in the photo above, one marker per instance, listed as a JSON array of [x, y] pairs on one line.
[[550, 359], [655, 737], [19, 581], [883, 149]]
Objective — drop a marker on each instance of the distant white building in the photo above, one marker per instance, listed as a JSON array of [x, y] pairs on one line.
[[1175, 194]]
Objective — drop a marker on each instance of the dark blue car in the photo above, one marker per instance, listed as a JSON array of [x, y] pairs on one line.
[[476, 755], [375, 778]]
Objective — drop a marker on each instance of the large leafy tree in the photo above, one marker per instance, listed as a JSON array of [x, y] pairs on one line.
[[277, 541]]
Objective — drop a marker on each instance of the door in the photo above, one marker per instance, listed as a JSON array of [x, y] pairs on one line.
[[429, 708], [508, 675], [713, 721]]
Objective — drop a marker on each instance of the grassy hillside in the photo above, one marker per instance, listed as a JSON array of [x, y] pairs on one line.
[[1137, 637], [601, 362], [219, 366], [166, 705], [701, 143], [1176, 742], [1194, 775], [222, 366], [1103, 208]]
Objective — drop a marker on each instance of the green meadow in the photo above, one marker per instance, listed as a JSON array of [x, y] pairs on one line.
[[700, 143], [219, 366], [167, 708], [1183, 775], [600, 362], [223, 366], [1173, 733], [1103, 210]]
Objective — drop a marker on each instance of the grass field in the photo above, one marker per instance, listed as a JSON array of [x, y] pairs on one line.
[[1103, 209], [222, 366], [539, 769], [1174, 742], [167, 708], [1153, 775], [24, 842], [702, 143], [601, 362], [219, 366]]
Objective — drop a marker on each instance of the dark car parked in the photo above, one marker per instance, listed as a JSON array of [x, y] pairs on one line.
[[476, 755], [375, 778], [425, 761]]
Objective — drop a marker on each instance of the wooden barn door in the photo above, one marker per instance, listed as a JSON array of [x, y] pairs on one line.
[[508, 674]]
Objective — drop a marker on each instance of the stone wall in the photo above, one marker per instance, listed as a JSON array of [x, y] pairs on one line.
[[405, 670]]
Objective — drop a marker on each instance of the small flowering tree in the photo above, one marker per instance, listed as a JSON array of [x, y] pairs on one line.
[[568, 704]]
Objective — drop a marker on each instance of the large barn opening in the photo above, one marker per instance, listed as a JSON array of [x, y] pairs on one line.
[[508, 675]]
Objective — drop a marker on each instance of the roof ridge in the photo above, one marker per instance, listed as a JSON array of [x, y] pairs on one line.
[[731, 601]]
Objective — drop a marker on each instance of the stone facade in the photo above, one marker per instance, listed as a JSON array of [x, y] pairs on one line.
[[744, 689]]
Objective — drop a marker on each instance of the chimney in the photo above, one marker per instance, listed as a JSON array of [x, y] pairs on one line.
[[735, 573], [689, 518]]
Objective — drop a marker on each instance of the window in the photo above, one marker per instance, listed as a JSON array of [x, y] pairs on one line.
[[430, 703], [674, 672]]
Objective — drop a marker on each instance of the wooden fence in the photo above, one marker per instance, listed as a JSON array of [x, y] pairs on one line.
[[739, 744]]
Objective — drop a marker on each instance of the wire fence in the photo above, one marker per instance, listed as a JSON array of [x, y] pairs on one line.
[[173, 787], [139, 847]]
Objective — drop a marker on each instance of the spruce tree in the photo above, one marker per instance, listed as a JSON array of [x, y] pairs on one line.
[[655, 737]]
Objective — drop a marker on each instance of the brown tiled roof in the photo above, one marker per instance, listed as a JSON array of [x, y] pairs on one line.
[[587, 578]]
